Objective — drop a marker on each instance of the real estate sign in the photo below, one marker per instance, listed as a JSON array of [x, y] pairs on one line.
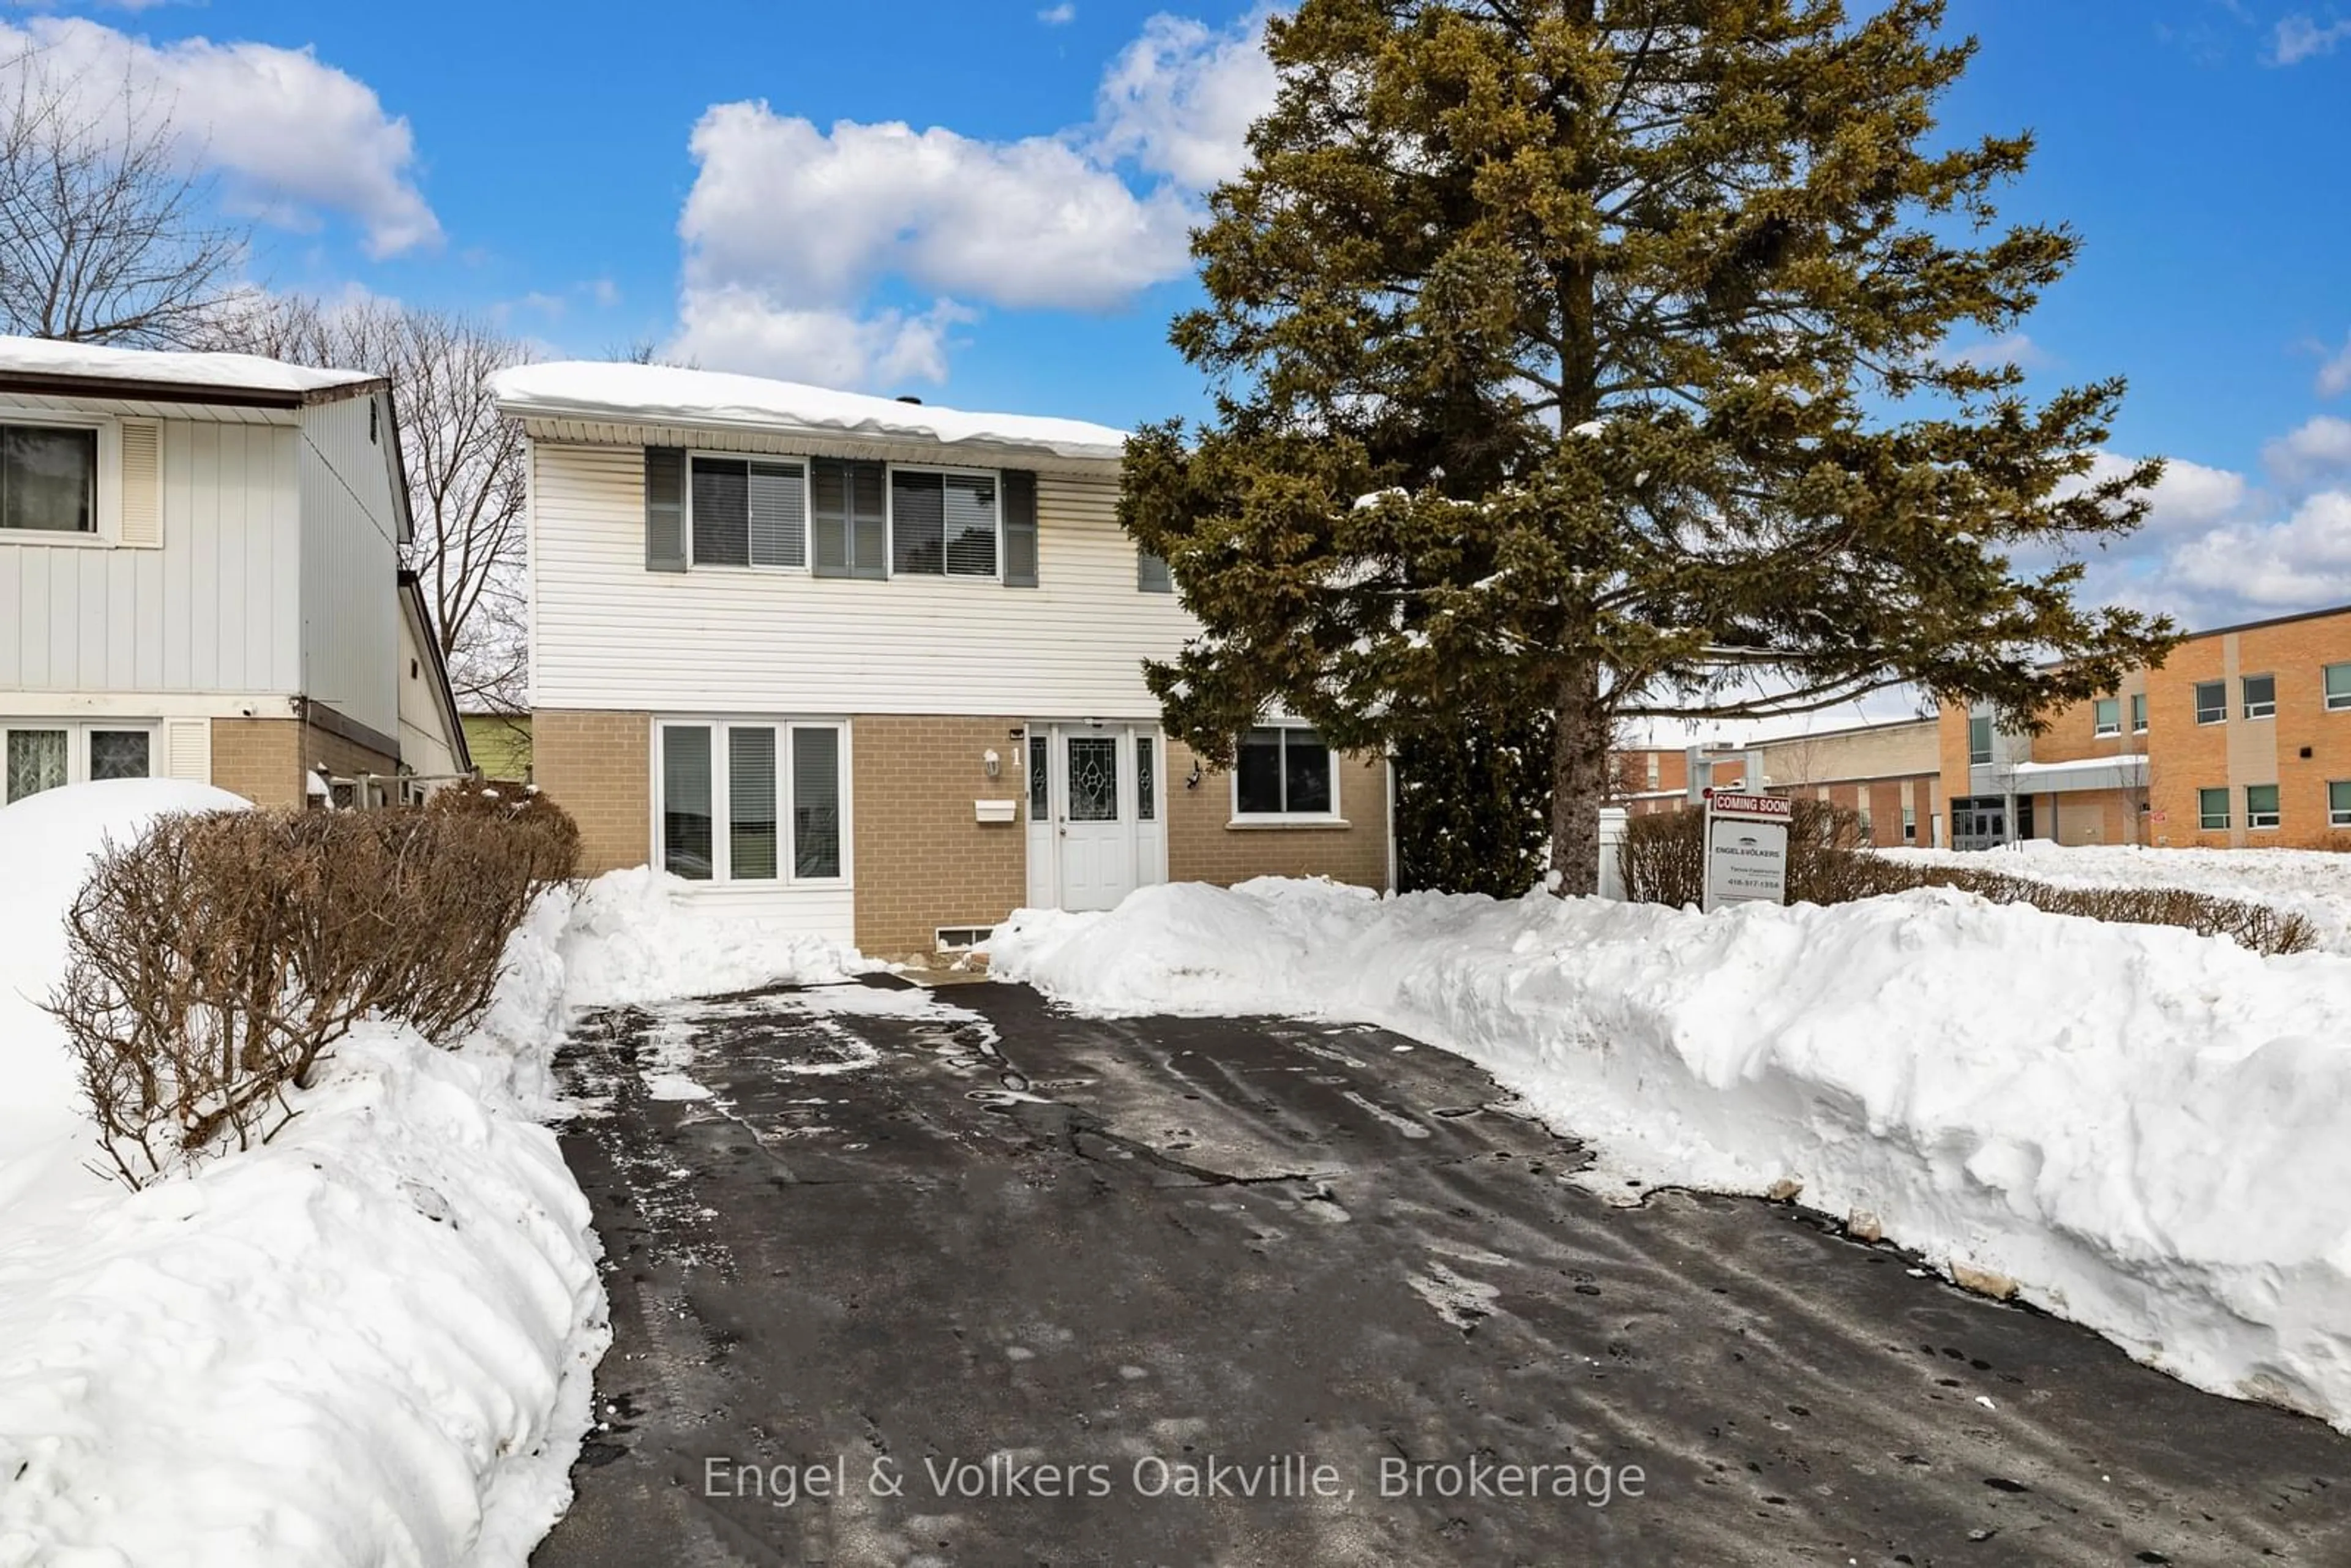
[[1746, 848]]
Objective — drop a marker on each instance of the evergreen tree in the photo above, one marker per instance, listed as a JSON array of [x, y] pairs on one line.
[[1473, 805], [1590, 358]]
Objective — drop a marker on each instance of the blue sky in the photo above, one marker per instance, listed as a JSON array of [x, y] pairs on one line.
[[729, 183]]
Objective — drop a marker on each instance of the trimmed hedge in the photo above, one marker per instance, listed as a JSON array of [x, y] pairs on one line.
[[215, 960], [1663, 859]]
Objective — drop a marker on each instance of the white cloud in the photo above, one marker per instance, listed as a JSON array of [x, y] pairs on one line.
[[1180, 98], [2299, 38], [789, 230], [2015, 349], [1060, 15], [735, 328], [2335, 375], [290, 136], [2316, 451], [817, 216], [2297, 562]]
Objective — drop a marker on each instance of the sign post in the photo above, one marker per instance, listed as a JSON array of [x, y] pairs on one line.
[[1746, 848]]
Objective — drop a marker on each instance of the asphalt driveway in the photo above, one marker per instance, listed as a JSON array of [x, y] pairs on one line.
[[970, 1281]]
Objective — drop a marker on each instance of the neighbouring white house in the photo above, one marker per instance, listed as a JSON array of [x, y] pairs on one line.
[[876, 668], [199, 576]]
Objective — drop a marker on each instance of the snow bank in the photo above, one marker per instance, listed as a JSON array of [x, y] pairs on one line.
[[639, 935], [2149, 1131], [2313, 883], [42, 356], [668, 395], [368, 1343]]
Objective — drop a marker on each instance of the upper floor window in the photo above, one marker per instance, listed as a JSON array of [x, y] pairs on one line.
[[2106, 716], [2339, 687], [1285, 770], [942, 524], [2261, 695], [2138, 713], [2211, 701], [48, 478], [1979, 739], [748, 512]]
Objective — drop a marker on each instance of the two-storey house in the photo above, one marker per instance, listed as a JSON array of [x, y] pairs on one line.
[[876, 668], [199, 576]]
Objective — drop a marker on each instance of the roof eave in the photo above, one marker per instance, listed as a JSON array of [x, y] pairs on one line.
[[525, 409], [135, 388]]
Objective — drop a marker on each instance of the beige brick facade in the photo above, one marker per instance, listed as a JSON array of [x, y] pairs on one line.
[[599, 767], [1204, 846], [922, 861], [259, 758], [2300, 748]]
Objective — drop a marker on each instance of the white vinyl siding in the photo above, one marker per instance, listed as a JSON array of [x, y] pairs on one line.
[[215, 609], [350, 611], [606, 634]]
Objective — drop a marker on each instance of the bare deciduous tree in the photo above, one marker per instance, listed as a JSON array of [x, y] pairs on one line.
[[104, 232], [464, 462]]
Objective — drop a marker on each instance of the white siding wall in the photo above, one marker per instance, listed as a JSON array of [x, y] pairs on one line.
[[351, 620], [215, 609], [606, 634]]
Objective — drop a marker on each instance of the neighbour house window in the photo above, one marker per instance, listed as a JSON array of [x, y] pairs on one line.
[[2339, 687], [942, 524], [2212, 809], [1151, 574], [1979, 739], [49, 479], [44, 754], [2338, 804], [749, 512], [2138, 713], [776, 788], [1285, 770], [2211, 701], [2106, 716], [2261, 695], [2261, 805]]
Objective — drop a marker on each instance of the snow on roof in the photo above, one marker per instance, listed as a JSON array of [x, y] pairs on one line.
[[169, 367], [2077, 765], [668, 395]]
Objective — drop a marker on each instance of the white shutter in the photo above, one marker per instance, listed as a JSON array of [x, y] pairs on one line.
[[142, 482], [188, 749]]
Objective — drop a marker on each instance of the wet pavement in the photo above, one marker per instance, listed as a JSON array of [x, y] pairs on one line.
[[912, 1277]]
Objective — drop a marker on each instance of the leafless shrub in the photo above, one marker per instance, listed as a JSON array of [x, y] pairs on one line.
[[1664, 861], [214, 962]]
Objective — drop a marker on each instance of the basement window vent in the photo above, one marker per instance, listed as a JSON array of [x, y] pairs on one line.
[[962, 939]]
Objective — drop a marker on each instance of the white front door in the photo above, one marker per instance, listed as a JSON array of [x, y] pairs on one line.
[[1095, 820]]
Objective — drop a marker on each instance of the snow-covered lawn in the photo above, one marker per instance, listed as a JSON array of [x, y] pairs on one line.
[[368, 1343], [2147, 1130], [2312, 883]]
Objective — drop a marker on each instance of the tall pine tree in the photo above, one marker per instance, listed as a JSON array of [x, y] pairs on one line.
[[1591, 357]]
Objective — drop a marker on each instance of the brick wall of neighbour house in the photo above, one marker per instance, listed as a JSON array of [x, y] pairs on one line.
[[599, 767], [259, 758], [1202, 845], [922, 861], [339, 757]]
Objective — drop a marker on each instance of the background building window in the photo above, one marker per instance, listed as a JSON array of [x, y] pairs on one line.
[[2338, 804], [2106, 716], [1284, 771], [2138, 713], [1979, 739], [2261, 805], [49, 479], [2261, 695], [2339, 687], [1909, 824], [2211, 701], [2212, 811]]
